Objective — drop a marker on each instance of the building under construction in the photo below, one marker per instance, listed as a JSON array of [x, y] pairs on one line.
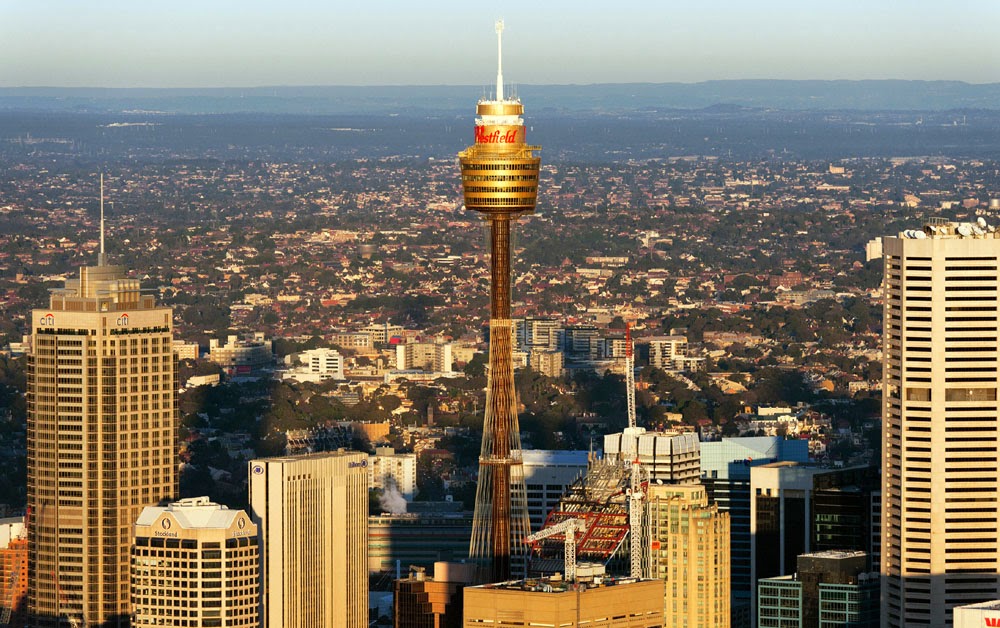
[[601, 500]]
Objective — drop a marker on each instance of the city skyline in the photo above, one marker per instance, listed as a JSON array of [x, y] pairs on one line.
[[226, 44]]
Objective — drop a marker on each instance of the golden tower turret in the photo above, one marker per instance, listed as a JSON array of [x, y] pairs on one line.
[[500, 181]]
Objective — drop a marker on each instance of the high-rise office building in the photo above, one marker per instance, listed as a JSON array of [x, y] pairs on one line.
[[547, 475], [312, 513], [434, 357], [195, 563], [102, 441], [828, 590], [390, 472], [417, 538], [940, 423], [500, 182], [798, 509], [725, 473], [690, 552]]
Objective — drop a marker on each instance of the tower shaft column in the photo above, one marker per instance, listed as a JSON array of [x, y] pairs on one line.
[[500, 181]]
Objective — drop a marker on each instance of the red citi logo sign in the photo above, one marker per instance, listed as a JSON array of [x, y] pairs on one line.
[[123, 320], [496, 137], [992, 621], [47, 321]]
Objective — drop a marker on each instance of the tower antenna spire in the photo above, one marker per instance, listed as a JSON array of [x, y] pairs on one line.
[[499, 29], [101, 261]]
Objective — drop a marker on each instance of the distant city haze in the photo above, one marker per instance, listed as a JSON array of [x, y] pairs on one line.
[[226, 43]]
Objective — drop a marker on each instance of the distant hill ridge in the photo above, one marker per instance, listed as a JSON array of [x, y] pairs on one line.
[[869, 95]]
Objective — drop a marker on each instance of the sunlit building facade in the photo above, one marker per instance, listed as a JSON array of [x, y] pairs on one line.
[[102, 442], [940, 422], [195, 563], [690, 552], [312, 513]]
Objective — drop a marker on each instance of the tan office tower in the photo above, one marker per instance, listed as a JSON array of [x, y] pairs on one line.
[[940, 427], [216, 551], [312, 512], [101, 442], [689, 546]]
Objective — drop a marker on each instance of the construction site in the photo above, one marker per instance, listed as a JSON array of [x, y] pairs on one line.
[[601, 509]]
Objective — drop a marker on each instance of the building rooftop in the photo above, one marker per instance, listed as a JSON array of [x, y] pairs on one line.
[[989, 605], [943, 228], [836, 554], [557, 584], [190, 513]]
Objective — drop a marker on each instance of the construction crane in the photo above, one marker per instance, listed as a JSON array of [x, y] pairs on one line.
[[8, 606], [569, 528], [637, 549], [74, 621], [636, 529], [15, 573], [630, 376]]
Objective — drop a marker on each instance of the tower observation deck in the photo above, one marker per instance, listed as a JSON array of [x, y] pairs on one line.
[[500, 181]]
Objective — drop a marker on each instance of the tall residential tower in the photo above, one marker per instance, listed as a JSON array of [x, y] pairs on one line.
[[102, 441], [940, 429], [500, 181]]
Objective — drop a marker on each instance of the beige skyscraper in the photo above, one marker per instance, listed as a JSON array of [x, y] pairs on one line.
[[216, 550], [101, 441], [312, 512], [690, 553], [940, 428]]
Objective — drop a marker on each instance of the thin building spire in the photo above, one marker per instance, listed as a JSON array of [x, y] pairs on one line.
[[499, 28], [101, 260]]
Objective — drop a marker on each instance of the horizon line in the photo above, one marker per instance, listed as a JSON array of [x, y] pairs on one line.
[[472, 85]]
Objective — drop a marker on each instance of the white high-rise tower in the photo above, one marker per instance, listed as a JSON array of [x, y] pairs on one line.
[[940, 514]]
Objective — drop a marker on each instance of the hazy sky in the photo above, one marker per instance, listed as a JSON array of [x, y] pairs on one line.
[[182, 43]]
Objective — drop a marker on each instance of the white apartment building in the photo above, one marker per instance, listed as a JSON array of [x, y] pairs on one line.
[[317, 365], [667, 352], [424, 356], [387, 468]]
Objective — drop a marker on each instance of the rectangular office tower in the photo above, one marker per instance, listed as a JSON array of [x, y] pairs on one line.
[[312, 513], [828, 590], [101, 442], [940, 428]]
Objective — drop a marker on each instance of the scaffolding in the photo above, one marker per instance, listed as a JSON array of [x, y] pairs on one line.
[[600, 499]]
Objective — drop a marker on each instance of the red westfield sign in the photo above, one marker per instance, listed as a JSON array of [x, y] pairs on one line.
[[992, 621], [496, 137]]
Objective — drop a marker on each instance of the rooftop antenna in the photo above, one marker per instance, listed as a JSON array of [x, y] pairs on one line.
[[499, 29], [101, 260]]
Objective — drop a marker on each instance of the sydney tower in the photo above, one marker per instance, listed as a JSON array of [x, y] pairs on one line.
[[500, 181]]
